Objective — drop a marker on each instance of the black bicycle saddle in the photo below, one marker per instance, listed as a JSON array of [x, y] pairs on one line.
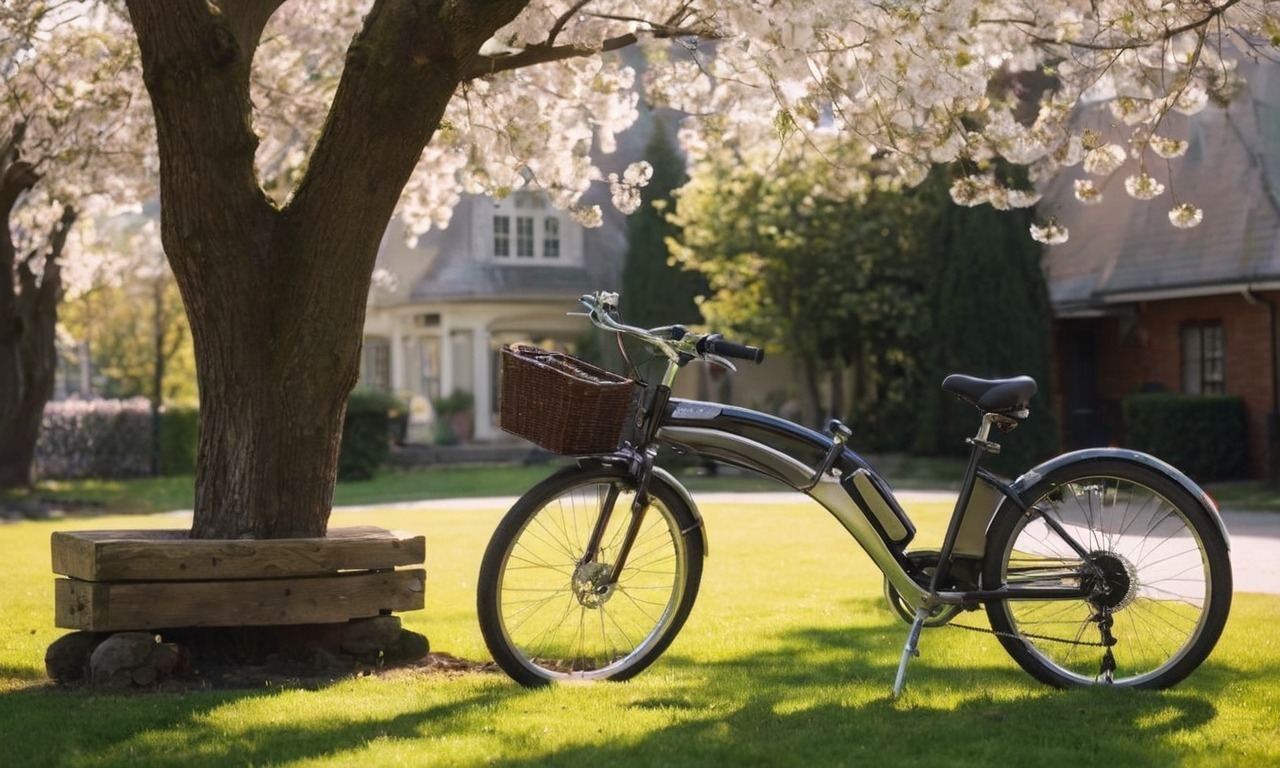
[[1007, 397]]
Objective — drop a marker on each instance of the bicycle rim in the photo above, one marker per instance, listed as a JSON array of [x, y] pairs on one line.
[[559, 616], [1159, 585]]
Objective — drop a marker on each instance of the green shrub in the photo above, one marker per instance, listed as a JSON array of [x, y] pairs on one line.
[[366, 433], [179, 435], [1203, 435]]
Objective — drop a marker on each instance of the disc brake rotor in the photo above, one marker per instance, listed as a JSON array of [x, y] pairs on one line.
[[591, 584]]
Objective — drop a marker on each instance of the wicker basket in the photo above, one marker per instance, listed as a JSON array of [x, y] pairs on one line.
[[561, 403]]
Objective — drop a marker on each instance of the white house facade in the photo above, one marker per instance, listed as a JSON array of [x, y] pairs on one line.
[[505, 271]]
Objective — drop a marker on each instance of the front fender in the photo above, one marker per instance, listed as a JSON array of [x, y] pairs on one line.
[[1084, 456]]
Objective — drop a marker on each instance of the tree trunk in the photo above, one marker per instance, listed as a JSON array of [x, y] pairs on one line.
[[276, 296], [28, 318]]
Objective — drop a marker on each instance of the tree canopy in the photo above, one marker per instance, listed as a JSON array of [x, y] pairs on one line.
[[924, 82]]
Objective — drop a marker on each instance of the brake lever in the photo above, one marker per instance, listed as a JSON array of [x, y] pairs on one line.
[[723, 362]]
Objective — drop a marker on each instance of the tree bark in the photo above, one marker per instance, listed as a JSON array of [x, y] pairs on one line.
[[28, 317], [35, 310], [276, 296]]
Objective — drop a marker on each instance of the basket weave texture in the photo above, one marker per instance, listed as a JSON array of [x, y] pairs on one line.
[[565, 405]]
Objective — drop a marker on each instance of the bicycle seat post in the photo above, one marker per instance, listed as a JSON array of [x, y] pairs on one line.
[[979, 444]]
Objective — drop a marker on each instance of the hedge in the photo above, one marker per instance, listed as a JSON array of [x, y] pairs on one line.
[[95, 438], [113, 438], [1203, 435]]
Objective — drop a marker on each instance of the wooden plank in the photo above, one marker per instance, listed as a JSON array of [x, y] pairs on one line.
[[112, 607], [167, 554]]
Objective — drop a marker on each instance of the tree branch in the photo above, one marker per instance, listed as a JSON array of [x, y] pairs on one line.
[[544, 53], [561, 22], [1213, 12], [247, 19]]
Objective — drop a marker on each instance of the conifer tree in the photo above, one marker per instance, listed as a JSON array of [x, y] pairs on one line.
[[992, 318], [655, 291]]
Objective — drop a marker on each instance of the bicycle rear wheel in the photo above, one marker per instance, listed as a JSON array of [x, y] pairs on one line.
[[1157, 569], [548, 613]]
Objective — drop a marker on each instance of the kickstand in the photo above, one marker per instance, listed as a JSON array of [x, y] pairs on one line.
[[910, 649]]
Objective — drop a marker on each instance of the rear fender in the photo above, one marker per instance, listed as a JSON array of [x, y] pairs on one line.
[[1037, 473]]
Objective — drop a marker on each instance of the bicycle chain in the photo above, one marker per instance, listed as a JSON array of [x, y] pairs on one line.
[[1028, 635]]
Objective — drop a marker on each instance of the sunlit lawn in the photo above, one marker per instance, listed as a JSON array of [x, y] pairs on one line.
[[787, 660]]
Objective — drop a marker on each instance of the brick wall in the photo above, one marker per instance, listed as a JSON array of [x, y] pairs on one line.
[[1143, 348]]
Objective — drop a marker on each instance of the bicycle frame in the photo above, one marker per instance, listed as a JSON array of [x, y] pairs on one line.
[[835, 476], [794, 455]]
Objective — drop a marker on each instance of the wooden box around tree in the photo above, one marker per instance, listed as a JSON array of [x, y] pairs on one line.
[[156, 579]]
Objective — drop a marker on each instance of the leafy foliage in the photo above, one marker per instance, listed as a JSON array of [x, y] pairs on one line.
[[1159, 424], [366, 433], [832, 280]]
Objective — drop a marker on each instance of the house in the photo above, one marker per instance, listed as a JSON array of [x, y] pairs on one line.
[[504, 271], [1143, 306]]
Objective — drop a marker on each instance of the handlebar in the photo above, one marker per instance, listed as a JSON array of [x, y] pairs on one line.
[[715, 344], [676, 342]]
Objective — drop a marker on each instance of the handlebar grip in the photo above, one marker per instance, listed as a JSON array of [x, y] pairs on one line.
[[716, 345]]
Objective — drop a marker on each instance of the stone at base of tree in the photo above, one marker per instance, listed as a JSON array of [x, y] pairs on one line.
[[67, 659], [129, 659], [232, 655]]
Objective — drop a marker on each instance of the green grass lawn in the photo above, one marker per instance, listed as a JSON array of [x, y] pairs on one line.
[[162, 494], [788, 659]]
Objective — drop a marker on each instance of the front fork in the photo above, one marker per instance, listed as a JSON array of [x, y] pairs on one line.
[[642, 470]]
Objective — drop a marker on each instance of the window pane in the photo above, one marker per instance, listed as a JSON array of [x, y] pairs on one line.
[[524, 236], [501, 236], [1204, 368], [551, 238], [1191, 355], [1214, 360]]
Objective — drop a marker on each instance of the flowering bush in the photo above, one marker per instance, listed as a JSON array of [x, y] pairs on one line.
[[95, 438]]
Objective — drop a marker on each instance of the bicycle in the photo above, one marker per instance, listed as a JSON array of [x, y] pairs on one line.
[[1103, 566]]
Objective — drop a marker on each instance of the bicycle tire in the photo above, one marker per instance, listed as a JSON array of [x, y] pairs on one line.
[[1158, 550], [546, 616]]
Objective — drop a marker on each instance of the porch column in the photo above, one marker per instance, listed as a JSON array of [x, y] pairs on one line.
[[483, 384], [447, 382], [398, 382]]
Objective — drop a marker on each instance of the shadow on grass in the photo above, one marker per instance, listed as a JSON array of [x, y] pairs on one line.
[[21, 673], [69, 728], [822, 697]]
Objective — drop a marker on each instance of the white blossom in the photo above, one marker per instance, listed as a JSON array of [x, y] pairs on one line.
[[1167, 148], [1087, 192], [1143, 187], [1185, 216], [1049, 233], [1104, 160]]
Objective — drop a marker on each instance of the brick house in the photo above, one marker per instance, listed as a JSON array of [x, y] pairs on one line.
[[1143, 306]]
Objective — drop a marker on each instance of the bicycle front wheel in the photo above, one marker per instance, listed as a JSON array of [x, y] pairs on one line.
[[1154, 564], [549, 612]]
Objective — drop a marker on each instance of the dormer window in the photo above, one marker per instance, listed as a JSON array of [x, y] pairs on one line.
[[501, 236], [524, 229]]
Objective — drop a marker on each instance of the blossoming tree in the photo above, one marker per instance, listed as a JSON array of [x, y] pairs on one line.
[[289, 132], [66, 101]]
